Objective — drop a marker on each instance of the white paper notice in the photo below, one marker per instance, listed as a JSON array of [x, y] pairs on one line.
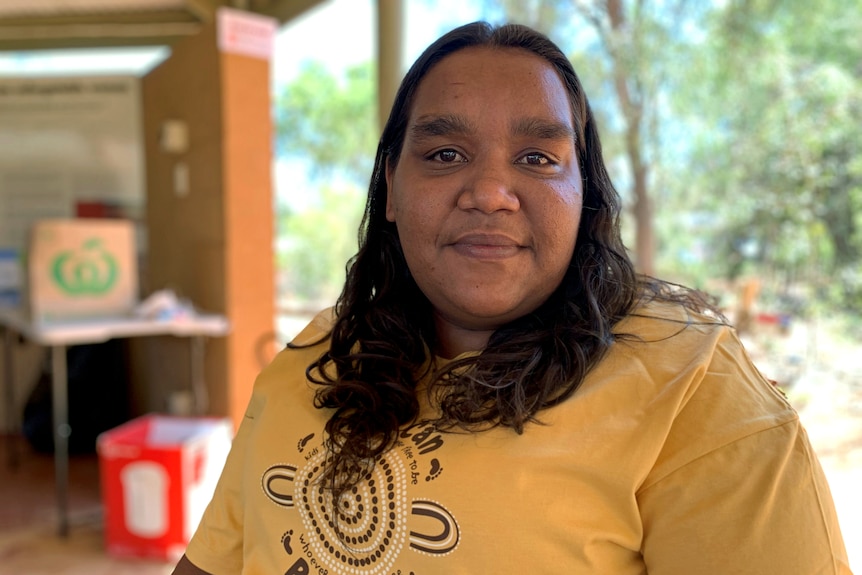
[[246, 33]]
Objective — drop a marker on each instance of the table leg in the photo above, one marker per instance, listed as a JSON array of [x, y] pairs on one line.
[[62, 430], [199, 390], [12, 458]]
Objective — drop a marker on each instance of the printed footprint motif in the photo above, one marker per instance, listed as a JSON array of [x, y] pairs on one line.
[[435, 471], [285, 541], [303, 442]]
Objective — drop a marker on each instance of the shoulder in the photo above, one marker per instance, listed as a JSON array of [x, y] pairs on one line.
[[702, 389], [288, 368], [697, 352], [667, 338], [659, 319], [316, 330]]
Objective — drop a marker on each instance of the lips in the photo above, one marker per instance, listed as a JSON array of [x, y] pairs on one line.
[[486, 246]]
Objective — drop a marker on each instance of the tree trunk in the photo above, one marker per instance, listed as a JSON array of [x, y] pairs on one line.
[[643, 213], [631, 103]]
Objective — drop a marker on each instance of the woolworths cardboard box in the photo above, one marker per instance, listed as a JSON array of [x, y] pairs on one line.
[[81, 268]]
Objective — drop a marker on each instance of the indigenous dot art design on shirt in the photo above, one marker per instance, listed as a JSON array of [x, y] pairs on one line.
[[375, 522]]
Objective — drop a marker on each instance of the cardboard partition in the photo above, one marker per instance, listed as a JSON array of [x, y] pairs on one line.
[[81, 268]]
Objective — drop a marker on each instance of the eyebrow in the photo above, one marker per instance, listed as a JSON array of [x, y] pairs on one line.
[[429, 126], [543, 129], [449, 124]]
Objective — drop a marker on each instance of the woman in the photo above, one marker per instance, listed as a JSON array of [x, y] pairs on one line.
[[496, 390]]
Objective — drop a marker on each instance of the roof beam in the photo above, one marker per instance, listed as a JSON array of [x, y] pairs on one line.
[[203, 10], [56, 30], [283, 10], [93, 32]]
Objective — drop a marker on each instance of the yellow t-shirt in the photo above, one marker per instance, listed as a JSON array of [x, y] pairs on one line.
[[675, 456]]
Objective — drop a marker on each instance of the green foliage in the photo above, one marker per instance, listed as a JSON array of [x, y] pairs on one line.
[[774, 147], [751, 114], [328, 123], [316, 243]]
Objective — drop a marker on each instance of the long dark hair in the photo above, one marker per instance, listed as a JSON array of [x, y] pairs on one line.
[[383, 336]]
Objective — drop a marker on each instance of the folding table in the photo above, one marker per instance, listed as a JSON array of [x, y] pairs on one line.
[[58, 335]]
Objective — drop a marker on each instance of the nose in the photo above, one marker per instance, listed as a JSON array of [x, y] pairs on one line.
[[489, 188]]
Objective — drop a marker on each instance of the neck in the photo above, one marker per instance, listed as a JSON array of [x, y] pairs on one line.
[[453, 339]]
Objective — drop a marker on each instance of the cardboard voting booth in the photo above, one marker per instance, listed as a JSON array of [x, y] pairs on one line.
[[158, 473], [81, 268]]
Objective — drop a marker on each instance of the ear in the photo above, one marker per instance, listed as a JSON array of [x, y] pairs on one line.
[[390, 209]]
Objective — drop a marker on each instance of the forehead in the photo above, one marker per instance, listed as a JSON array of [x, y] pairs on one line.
[[483, 80]]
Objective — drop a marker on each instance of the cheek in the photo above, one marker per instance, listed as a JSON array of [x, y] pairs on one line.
[[562, 218], [418, 211]]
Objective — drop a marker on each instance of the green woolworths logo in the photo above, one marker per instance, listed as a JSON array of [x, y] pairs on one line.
[[88, 271]]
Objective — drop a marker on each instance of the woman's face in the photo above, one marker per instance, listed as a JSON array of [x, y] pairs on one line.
[[487, 192]]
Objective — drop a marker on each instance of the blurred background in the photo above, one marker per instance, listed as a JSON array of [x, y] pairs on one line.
[[731, 129]]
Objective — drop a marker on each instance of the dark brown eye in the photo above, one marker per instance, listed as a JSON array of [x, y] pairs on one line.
[[448, 156], [535, 159]]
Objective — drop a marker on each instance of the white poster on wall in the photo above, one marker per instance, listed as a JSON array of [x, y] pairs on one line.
[[68, 147], [246, 33]]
